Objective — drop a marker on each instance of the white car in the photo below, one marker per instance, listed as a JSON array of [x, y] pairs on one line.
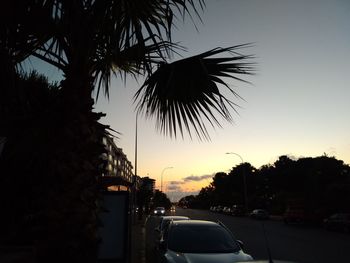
[[165, 220], [159, 211], [199, 241], [164, 223]]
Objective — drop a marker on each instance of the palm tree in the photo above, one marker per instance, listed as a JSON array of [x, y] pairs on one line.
[[89, 41]]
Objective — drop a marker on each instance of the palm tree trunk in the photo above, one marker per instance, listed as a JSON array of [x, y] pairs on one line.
[[74, 175]]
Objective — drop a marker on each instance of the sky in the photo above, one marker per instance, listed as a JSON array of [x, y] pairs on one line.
[[297, 103]]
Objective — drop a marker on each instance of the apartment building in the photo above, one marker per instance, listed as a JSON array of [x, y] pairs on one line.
[[118, 175]]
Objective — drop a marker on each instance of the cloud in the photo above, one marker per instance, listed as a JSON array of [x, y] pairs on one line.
[[174, 188], [176, 182], [177, 186], [197, 178]]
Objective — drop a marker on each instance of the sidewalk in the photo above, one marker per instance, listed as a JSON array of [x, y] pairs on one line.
[[138, 242], [17, 254]]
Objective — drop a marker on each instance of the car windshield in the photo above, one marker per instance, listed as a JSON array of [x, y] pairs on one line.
[[201, 239]]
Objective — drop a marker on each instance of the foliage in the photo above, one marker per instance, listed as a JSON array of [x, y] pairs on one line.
[[322, 182], [51, 196], [180, 93], [160, 199], [144, 195], [91, 40], [26, 122]]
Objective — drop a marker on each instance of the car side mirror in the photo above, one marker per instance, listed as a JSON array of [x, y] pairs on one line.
[[240, 243]]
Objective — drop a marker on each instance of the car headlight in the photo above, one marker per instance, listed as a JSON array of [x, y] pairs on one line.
[[155, 212], [162, 212]]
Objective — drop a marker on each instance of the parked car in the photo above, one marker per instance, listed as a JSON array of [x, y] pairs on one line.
[[259, 214], [301, 215], [238, 210], [269, 261], [159, 211], [226, 210], [339, 222], [219, 208], [298, 211], [213, 208], [198, 241], [164, 223]]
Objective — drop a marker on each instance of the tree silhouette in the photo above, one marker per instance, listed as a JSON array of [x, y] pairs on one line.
[[320, 184], [28, 123], [160, 199]]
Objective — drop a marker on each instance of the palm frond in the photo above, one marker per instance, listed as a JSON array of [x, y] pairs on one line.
[[63, 32], [184, 94], [24, 27], [136, 60]]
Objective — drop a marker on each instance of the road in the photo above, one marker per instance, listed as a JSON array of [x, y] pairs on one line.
[[294, 243]]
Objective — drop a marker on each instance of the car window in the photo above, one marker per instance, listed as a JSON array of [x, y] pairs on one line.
[[201, 239]]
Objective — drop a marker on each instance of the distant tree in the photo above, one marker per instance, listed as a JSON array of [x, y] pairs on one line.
[[188, 201], [144, 195], [161, 199], [205, 197], [323, 183], [221, 187], [320, 174], [272, 188]]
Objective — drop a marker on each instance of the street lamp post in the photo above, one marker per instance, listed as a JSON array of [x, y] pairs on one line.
[[132, 204], [161, 177], [244, 182], [135, 171], [134, 181]]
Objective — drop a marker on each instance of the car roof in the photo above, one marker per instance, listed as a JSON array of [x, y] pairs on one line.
[[195, 222], [175, 217], [160, 207], [267, 261], [341, 214]]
